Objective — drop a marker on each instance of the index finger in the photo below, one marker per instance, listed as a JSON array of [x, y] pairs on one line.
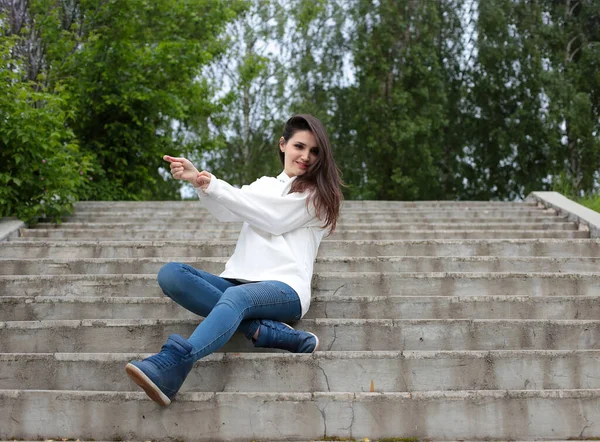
[[172, 159]]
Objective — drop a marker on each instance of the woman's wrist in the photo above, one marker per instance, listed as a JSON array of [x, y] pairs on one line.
[[192, 181], [202, 186]]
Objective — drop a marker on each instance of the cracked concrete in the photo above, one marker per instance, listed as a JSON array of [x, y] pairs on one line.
[[500, 332], [324, 417], [351, 426], [330, 346], [324, 374]]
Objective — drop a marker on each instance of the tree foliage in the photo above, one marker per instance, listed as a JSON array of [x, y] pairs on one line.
[[42, 170], [449, 99], [533, 117], [401, 97], [252, 79], [138, 73], [126, 76]]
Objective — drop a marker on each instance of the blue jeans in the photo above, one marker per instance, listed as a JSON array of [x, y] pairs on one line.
[[227, 304]]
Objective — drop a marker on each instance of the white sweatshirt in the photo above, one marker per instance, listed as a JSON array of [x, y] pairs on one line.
[[279, 239]]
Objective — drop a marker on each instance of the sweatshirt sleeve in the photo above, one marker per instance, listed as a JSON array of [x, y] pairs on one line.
[[217, 209], [271, 213]]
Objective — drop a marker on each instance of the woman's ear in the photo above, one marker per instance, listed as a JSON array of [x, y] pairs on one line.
[[281, 143]]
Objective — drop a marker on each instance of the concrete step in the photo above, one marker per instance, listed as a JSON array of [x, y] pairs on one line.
[[328, 284], [440, 218], [357, 216], [36, 308], [543, 224], [147, 335], [198, 210], [441, 415], [232, 235], [352, 371], [139, 249], [461, 339], [347, 204], [402, 204], [195, 222], [216, 265]]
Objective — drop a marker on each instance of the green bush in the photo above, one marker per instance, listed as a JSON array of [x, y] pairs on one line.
[[591, 202], [563, 186], [41, 170]]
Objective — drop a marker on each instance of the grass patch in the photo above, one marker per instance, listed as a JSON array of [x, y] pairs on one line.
[[399, 439], [385, 439], [337, 438], [591, 202], [584, 438], [564, 187]]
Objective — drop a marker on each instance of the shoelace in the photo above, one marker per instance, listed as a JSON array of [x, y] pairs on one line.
[[164, 359], [299, 338], [289, 331]]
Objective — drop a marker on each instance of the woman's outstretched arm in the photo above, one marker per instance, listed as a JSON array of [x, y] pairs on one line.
[[271, 213], [183, 169]]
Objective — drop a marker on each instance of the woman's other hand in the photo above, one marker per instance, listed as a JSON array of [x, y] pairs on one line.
[[202, 180], [182, 169]]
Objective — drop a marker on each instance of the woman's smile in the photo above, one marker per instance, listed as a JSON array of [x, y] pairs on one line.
[[300, 151]]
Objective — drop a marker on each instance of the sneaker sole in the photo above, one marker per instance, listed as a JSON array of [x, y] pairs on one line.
[[153, 392], [316, 337]]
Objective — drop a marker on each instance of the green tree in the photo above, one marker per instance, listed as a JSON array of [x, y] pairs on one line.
[[318, 32], [253, 79], [571, 31], [42, 171], [398, 105], [532, 117], [97, 91], [507, 151], [135, 86], [422, 100]]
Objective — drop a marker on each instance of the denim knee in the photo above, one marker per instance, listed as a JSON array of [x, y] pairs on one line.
[[167, 276], [236, 300]]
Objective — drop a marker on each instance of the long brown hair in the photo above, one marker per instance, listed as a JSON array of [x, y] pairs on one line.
[[323, 176]]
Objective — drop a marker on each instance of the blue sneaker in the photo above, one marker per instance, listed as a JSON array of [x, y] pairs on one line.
[[161, 375], [275, 334]]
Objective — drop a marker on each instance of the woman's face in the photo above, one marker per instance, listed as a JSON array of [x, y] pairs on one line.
[[300, 151]]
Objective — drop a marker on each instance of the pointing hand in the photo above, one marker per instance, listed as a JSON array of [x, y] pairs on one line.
[[183, 169]]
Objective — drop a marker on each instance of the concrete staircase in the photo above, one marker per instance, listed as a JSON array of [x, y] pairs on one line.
[[437, 320]]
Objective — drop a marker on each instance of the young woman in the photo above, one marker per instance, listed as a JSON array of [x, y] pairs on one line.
[[267, 279]]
